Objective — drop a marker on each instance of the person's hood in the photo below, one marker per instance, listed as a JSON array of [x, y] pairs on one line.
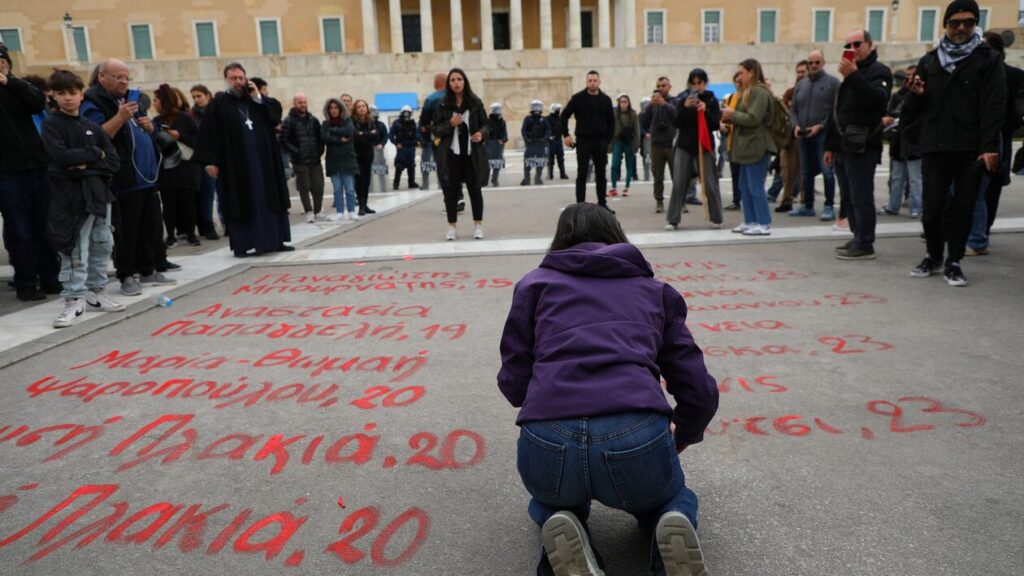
[[599, 260]]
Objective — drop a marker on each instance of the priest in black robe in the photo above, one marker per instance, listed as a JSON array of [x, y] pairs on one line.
[[238, 148]]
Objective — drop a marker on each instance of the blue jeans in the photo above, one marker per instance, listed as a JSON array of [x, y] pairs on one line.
[[622, 148], [85, 268], [207, 193], [625, 461], [978, 238], [754, 201], [902, 171], [812, 163], [24, 202], [344, 192]]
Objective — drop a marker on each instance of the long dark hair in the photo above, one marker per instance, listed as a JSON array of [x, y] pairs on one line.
[[355, 115], [468, 97], [586, 222], [169, 105]]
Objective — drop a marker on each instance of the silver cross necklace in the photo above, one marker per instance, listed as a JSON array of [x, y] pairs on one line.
[[248, 121]]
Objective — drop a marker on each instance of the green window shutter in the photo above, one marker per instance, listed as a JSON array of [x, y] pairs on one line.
[[821, 26], [767, 33], [983, 19], [876, 22], [11, 39], [927, 33], [207, 39], [268, 34], [332, 35], [142, 41], [81, 46]]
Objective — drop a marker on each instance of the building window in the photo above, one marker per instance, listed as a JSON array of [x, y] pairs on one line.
[[11, 38], [206, 39], [332, 34], [876, 24], [501, 26], [270, 37], [983, 19], [822, 26], [412, 37], [926, 24], [587, 28], [712, 26], [80, 34], [142, 41], [767, 26], [654, 27]]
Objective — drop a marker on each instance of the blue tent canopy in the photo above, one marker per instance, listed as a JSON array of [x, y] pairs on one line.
[[393, 101]]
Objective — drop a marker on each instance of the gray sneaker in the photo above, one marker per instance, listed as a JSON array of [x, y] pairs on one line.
[[568, 547], [679, 547], [130, 286], [157, 279]]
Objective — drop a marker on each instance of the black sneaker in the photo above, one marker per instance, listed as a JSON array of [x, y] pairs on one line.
[[954, 275], [844, 246], [926, 268], [461, 206], [369, 210], [733, 206], [783, 208], [605, 206], [856, 254], [31, 294]]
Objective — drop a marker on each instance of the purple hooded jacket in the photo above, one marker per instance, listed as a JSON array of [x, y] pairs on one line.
[[591, 332]]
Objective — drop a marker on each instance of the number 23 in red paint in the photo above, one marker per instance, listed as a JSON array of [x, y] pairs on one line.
[[883, 408]]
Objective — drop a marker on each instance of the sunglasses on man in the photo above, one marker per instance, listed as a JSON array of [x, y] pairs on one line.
[[955, 23], [853, 44]]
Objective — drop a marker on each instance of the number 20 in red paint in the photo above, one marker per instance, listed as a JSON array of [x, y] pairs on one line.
[[389, 398], [367, 519]]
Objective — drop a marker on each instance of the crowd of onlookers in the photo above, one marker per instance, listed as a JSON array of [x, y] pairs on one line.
[[92, 170]]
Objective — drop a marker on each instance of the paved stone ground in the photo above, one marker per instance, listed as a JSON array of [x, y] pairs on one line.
[[870, 422]]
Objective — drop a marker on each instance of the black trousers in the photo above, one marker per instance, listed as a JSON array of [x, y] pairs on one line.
[[461, 170], [588, 150], [179, 208], [363, 182], [138, 234], [947, 218], [855, 174]]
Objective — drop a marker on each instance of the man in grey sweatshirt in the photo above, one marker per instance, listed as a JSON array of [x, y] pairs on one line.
[[810, 113]]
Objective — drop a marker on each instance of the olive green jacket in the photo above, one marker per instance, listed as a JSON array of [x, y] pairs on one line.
[[750, 139]]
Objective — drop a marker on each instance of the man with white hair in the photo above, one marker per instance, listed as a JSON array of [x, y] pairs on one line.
[[300, 138], [405, 135], [535, 132]]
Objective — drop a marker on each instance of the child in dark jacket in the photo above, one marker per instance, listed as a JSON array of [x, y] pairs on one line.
[[82, 166], [589, 337]]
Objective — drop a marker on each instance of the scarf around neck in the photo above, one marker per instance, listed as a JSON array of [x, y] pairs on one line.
[[950, 54]]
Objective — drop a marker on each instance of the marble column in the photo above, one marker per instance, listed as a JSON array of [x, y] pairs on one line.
[[458, 42], [515, 23], [395, 14], [630, 13], [486, 26], [426, 26], [574, 40], [545, 25], [604, 24], [370, 44]]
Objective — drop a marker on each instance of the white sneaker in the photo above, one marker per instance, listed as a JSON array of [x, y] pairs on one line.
[[310, 218], [335, 217], [678, 545], [347, 217], [758, 230], [74, 308], [478, 232], [742, 228], [100, 302], [451, 234], [354, 215], [671, 226], [321, 217], [567, 546]]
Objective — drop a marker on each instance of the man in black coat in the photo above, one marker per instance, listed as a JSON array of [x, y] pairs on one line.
[[24, 187], [595, 124], [854, 141], [959, 93], [300, 138], [238, 146]]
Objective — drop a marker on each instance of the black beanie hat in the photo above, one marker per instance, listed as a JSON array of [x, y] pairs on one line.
[[957, 6]]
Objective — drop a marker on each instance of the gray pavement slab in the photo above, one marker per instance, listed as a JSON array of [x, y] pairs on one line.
[[870, 423]]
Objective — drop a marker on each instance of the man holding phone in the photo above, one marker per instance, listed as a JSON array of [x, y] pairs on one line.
[[958, 92], [854, 141], [811, 115]]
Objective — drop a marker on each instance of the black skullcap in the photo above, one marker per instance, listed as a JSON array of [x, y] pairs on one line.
[[957, 6]]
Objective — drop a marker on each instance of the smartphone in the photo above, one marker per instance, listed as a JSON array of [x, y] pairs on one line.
[[849, 55]]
